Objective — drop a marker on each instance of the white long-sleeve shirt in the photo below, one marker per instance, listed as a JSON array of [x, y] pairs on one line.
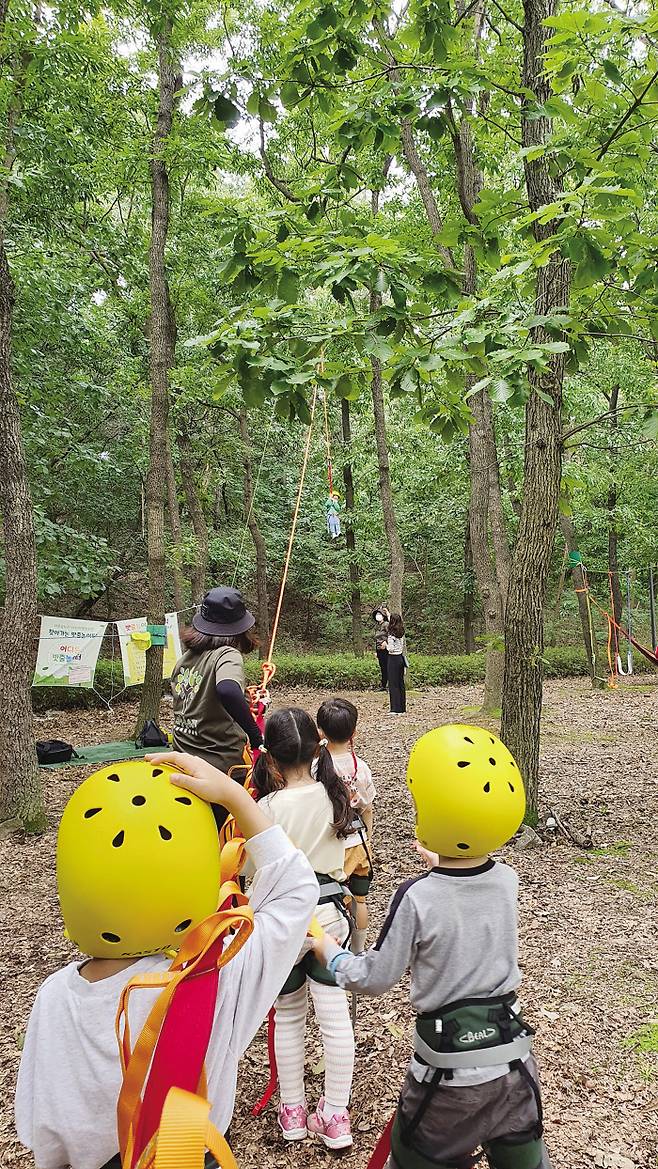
[[70, 1076]]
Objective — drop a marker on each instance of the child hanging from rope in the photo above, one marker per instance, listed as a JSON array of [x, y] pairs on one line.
[[337, 720], [472, 1081], [135, 821], [333, 514], [297, 784]]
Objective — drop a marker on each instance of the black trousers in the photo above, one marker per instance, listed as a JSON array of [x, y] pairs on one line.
[[396, 690], [382, 658]]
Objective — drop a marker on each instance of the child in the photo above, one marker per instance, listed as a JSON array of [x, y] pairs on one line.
[[166, 854], [313, 807], [332, 508], [337, 721], [472, 1081], [397, 663]]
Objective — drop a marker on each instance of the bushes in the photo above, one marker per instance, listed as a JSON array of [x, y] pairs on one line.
[[333, 672]]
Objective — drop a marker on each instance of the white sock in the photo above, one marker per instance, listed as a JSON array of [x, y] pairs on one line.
[[333, 1016], [289, 1034]]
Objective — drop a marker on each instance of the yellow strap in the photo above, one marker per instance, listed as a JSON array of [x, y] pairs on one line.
[[184, 1135]]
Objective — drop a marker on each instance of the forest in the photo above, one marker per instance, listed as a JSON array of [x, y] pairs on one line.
[[405, 251]]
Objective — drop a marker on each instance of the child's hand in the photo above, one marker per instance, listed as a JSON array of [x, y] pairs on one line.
[[431, 858], [197, 776], [215, 787]]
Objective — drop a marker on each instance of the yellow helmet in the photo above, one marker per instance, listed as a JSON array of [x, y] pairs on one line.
[[468, 791], [137, 862]]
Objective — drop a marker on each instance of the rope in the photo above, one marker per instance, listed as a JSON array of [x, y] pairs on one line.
[[613, 639], [254, 492], [330, 474], [293, 530]]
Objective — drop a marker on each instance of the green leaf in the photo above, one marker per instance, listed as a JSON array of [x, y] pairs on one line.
[[267, 111], [226, 112]]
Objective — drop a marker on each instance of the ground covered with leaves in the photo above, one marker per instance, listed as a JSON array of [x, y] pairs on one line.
[[589, 929]]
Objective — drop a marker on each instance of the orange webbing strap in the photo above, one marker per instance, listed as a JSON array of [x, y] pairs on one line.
[[184, 1135], [193, 958]]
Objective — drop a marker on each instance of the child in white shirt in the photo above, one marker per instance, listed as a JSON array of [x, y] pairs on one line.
[[337, 720], [70, 1074]]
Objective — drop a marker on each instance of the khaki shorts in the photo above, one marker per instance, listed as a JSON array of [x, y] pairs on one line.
[[358, 870]]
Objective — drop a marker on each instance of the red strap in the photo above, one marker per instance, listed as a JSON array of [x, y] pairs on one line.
[[181, 1047], [274, 1073], [382, 1148]]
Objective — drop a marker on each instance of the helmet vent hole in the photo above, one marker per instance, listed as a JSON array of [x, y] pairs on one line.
[[113, 778], [467, 740], [464, 763], [91, 812], [492, 741], [492, 761], [183, 925], [164, 832], [157, 771], [463, 846], [487, 787], [183, 800], [118, 839], [511, 786], [108, 937], [139, 801]]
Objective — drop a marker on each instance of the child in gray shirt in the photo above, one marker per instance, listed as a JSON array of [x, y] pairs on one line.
[[472, 1081]]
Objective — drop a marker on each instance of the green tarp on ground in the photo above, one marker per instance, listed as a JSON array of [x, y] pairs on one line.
[[104, 753]]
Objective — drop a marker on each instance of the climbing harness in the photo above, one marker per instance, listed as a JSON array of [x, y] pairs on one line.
[[466, 1034]]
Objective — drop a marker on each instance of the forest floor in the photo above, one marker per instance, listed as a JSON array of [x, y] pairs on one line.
[[589, 929]]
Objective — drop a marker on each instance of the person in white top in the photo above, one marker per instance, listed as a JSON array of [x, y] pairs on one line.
[[337, 720], [70, 1074], [397, 664], [296, 782]]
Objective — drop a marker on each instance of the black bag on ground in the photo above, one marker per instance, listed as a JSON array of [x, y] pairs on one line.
[[55, 751], [151, 736]]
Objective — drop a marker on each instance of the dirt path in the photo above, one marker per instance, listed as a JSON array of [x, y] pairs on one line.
[[589, 931]]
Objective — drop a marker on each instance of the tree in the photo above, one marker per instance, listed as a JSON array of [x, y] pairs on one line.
[[542, 471], [262, 601], [350, 538], [162, 342], [20, 786]]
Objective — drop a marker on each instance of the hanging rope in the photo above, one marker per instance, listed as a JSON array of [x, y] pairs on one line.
[[613, 639], [238, 562], [330, 472]]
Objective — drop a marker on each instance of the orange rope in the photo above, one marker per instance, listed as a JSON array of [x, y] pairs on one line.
[[268, 664]]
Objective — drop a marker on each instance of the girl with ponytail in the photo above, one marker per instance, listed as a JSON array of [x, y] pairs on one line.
[[296, 783]]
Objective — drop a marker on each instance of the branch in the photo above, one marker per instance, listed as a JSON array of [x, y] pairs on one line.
[[279, 184], [629, 113], [602, 418], [510, 19]]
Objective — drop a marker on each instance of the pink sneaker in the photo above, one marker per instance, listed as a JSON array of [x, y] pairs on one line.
[[335, 1132], [292, 1122]]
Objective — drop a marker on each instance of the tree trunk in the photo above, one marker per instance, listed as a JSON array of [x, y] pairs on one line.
[[162, 341], [350, 538], [396, 553], [578, 580], [469, 634], [524, 624], [175, 529], [613, 534], [21, 797], [189, 472], [262, 600], [20, 786]]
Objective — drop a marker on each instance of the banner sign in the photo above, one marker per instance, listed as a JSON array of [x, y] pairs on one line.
[[133, 655], [68, 652]]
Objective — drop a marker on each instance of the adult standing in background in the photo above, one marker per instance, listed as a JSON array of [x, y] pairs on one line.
[[397, 664], [381, 617], [212, 718]]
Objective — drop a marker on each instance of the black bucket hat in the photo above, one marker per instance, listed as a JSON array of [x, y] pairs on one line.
[[223, 613]]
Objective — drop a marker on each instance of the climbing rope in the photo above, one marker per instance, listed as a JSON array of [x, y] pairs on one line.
[[259, 696], [330, 472]]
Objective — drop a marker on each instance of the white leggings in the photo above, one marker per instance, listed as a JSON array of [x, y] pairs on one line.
[[333, 1016]]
